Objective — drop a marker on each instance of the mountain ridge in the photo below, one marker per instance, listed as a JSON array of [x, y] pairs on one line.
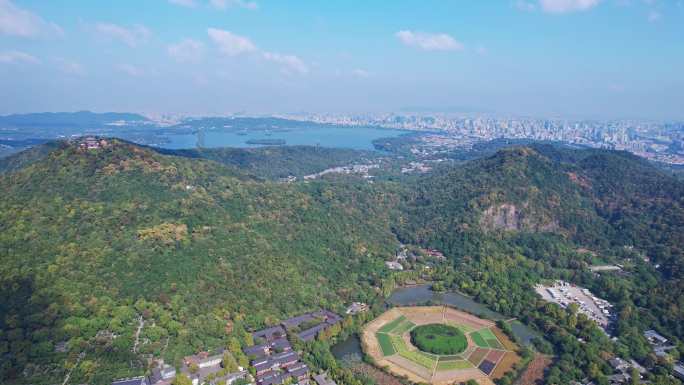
[[90, 239]]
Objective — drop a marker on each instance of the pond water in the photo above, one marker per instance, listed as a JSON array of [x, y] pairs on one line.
[[358, 138], [420, 294], [524, 333], [349, 349]]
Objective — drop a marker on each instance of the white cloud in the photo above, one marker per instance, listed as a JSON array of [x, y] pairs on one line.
[[186, 51], [654, 16], [70, 67], [130, 70], [290, 63], [184, 3], [564, 6], [230, 43], [9, 57], [133, 36], [15, 21], [223, 4], [428, 41]]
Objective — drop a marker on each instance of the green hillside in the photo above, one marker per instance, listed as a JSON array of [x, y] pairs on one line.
[[280, 161], [202, 249], [88, 239]]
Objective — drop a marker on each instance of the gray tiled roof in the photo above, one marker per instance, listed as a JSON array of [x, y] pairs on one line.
[[274, 360], [270, 333], [131, 381]]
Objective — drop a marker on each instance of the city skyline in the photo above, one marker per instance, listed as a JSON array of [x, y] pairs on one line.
[[593, 59]]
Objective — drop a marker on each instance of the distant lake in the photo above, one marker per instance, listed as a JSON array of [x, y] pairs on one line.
[[358, 138]]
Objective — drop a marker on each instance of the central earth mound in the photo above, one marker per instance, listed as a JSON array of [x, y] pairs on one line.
[[439, 339]]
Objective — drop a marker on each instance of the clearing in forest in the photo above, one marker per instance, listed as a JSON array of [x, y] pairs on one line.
[[438, 345]]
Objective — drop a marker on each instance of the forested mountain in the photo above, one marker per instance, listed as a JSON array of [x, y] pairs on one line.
[[265, 162], [24, 158], [89, 239], [280, 161], [94, 241], [533, 213], [546, 203]]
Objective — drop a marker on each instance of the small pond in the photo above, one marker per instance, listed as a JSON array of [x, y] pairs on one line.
[[349, 349]]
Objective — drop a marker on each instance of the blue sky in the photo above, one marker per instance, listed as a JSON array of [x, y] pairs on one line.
[[556, 58]]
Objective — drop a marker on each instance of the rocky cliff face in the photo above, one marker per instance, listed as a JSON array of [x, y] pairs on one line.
[[509, 217]]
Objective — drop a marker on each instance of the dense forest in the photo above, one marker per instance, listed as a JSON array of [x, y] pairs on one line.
[[273, 162], [195, 248]]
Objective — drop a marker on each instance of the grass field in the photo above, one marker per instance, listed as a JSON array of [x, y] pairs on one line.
[[403, 327], [450, 358], [388, 327], [423, 359], [487, 334], [479, 340], [453, 365], [489, 338], [385, 344], [495, 344]]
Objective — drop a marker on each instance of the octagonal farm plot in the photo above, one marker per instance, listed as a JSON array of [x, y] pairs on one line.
[[485, 354]]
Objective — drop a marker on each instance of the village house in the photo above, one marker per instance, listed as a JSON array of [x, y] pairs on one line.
[[269, 347], [432, 253], [659, 344], [617, 379], [394, 265], [323, 319], [204, 359], [272, 356], [623, 370], [322, 379], [402, 254], [92, 143], [162, 374], [131, 381], [357, 307], [619, 364], [201, 366], [678, 370], [270, 334], [273, 360], [300, 373], [654, 338], [229, 378]]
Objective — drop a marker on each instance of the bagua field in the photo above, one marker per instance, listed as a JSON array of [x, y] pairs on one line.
[[488, 354]]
